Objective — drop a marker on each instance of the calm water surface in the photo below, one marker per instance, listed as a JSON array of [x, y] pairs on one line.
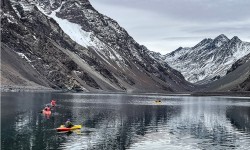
[[117, 121]]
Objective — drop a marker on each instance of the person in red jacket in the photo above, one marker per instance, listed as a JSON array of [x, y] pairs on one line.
[[53, 103]]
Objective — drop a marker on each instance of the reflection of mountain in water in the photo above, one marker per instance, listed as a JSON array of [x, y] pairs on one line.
[[207, 123], [239, 118], [120, 126], [187, 123], [22, 124], [126, 122]]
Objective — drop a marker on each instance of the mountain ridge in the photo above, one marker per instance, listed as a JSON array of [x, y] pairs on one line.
[[105, 59], [68, 45], [209, 59]]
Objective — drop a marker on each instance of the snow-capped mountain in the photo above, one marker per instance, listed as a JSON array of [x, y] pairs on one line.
[[72, 46], [208, 60]]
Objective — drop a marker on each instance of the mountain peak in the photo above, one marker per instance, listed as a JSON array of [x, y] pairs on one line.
[[209, 59], [178, 49], [236, 39], [220, 40], [203, 42], [222, 37]]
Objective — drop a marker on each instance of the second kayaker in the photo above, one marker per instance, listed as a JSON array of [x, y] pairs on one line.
[[68, 124], [53, 103]]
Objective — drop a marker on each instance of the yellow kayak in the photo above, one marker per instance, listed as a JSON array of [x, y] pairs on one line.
[[157, 101], [63, 128]]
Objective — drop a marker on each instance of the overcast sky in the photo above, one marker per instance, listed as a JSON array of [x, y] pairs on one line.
[[164, 25]]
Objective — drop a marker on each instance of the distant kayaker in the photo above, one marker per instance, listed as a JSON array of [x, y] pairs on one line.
[[53, 103], [47, 108], [68, 124]]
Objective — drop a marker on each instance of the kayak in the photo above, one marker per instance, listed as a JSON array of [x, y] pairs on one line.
[[158, 101], [46, 112], [63, 128]]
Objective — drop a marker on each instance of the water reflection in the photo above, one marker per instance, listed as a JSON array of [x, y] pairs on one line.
[[204, 121], [115, 121], [22, 124], [239, 118], [121, 128], [204, 124]]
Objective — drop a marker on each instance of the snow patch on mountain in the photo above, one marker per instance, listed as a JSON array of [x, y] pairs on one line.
[[22, 6], [73, 30], [9, 17], [23, 56], [86, 39]]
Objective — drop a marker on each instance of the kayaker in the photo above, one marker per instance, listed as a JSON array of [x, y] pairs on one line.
[[47, 108], [68, 124], [53, 103]]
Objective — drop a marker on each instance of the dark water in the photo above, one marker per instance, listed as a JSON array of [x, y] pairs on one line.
[[116, 121]]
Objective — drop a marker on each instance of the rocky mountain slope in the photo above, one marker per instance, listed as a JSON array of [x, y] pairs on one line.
[[15, 71], [209, 60], [237, 80], [245, 62], [69, 45], [239, 62]]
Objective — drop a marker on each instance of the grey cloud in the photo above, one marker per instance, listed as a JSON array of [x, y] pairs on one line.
[[235, 30], [181, 38], [191, 10], [168, 24]]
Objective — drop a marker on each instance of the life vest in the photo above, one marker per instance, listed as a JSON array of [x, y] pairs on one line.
[[47, 109]]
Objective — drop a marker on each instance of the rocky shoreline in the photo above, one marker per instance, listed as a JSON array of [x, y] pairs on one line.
[[231, 93], [18, 88], [12, 88]]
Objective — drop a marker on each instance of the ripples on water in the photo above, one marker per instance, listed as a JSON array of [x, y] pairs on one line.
[[115, 121]]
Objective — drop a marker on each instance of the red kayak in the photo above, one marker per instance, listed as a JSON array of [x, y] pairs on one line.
[[63, 128]]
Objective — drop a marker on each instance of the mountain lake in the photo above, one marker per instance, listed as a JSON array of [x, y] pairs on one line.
[[125, 121]]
